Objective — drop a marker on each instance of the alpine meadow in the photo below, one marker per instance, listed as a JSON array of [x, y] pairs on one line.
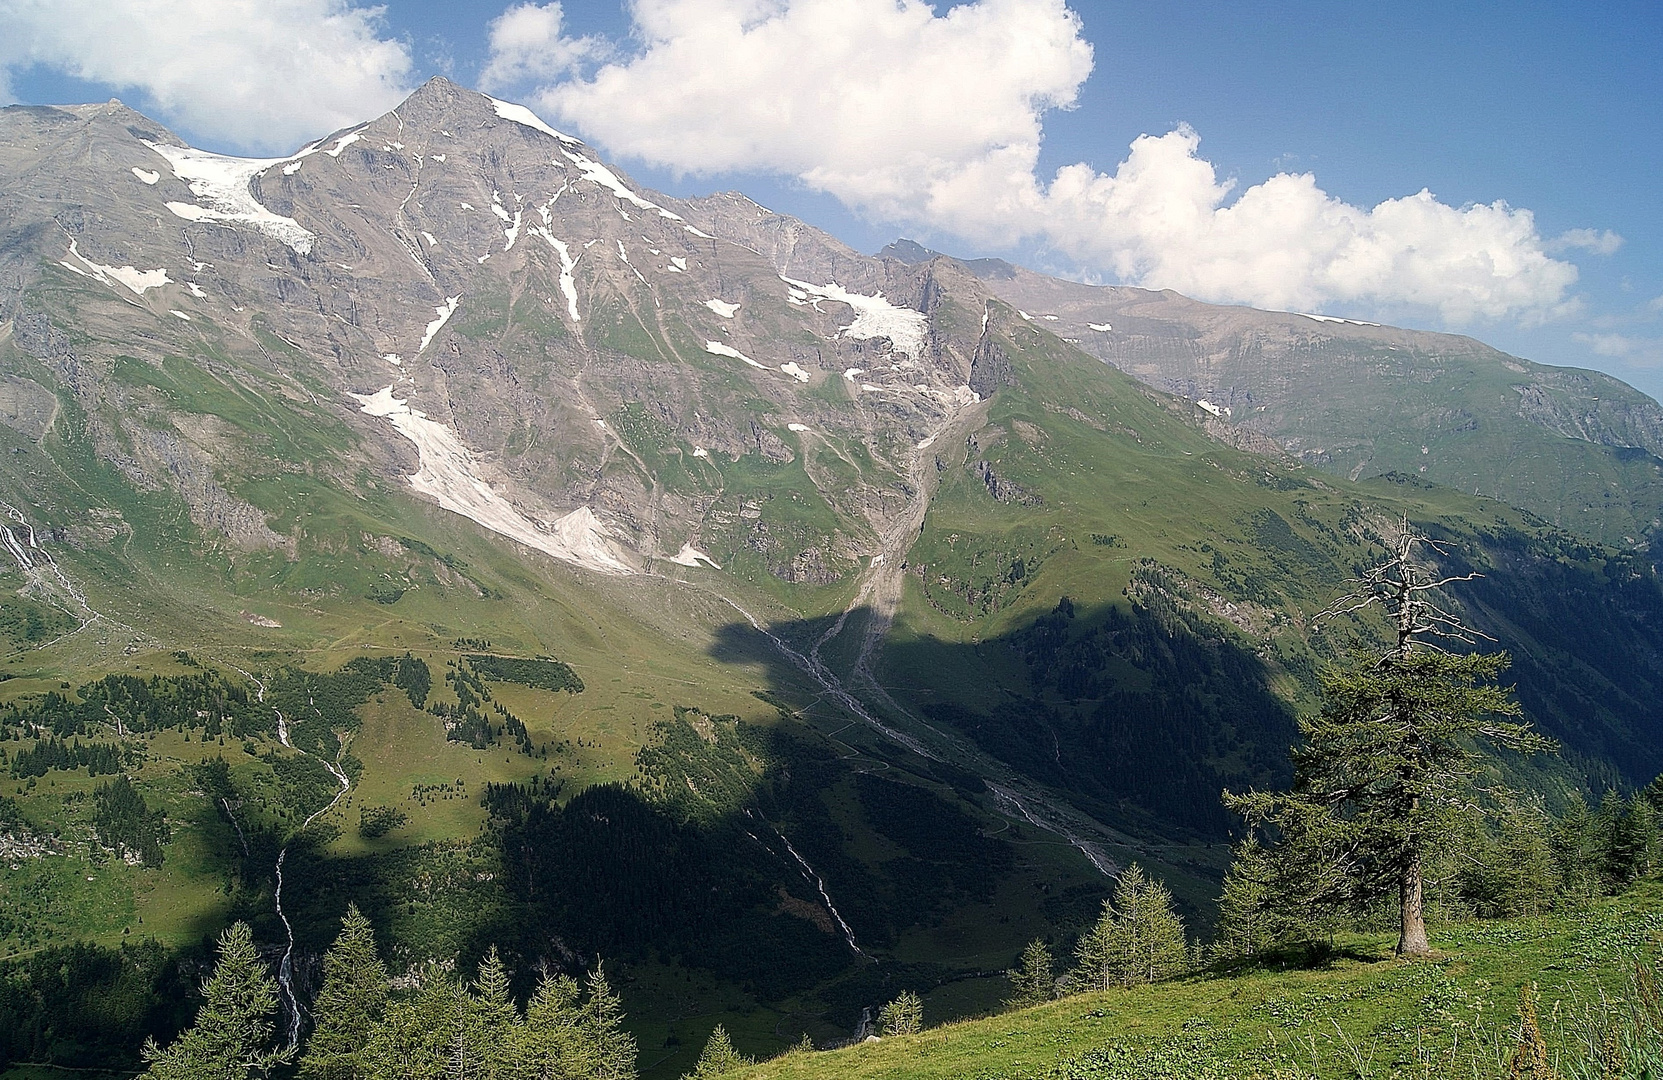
[[466, 614]]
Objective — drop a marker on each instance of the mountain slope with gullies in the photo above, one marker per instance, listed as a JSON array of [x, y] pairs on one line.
[[739, 565], [1578, 448]]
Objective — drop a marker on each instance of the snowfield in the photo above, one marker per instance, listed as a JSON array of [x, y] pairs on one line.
[[221, 186], [448, 476], [136, 280], [716, 348], [875, 317]]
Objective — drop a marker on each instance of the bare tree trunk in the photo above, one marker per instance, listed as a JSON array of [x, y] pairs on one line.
[[1412, 940]]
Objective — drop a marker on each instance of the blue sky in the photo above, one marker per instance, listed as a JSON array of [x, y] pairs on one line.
[[1554, 109]]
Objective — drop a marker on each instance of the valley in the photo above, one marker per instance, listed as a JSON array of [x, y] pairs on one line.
[[436, 522]]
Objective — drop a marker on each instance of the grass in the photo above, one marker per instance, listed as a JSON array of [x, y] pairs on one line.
[[1365, 1014]]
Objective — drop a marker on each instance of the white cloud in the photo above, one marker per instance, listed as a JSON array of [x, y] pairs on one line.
[[1593, 241], [935, 120], [527, 46], [1636, 351], [255, 74]]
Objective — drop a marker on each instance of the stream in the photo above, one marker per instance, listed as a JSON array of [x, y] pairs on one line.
[[285, 968]]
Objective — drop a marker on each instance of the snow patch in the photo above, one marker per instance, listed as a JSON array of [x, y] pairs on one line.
[[875, 317], [444, 312], [1210, 407], [597, 173], [722, 308], [716, 348], [679, 263], [692, 556], [1332, 319], [221, 185], [1100, 327], [179, 314], [137, 281], [795, 372], [696, 232], [448, 476], [145, 175], [429, 238], [796, 427], [512, 232], [519, 114], [392, 358], [567, 284], [440, 158], [343, 142], [925, 444], [195, 290], [699, 451]]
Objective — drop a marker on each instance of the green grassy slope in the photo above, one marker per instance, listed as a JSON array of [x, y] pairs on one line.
[[1363, 1014]]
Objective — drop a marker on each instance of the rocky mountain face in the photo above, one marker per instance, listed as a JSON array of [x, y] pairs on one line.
[[508, 319], [233, 381], [1579, 448]]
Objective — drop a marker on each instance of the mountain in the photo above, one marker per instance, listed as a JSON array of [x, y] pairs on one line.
[[537, 560], [1578, 448]]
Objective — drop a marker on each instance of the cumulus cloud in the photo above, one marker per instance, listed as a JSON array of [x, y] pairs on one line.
[[527, 45], [253, 74], [1594, 241], [1636, 351], [935, 120]]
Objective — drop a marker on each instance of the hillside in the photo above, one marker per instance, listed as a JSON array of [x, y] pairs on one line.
[[1362, 1014], [1578, 448], [783, 636]]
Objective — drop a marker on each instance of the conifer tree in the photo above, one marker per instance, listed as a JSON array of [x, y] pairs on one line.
[[492, 1021], [718, 1057], [350, 1003], [1379, 768], [550, 1043], [231, 1038], [903, 1016], [609, 1051], [1138, 939], [424, 1038], [1576, 851], [1034, 979], [1247, 920]]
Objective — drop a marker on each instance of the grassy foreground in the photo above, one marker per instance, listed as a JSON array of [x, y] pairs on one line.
[[1363, 1015]]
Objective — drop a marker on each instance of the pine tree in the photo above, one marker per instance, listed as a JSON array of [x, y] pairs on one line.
[[1155, 944], [231, 1038], [1034, 979], [1098, 953], [352, 1000], [492, 1021], [549, 1043], [1247, 920], [1380, 768], [903, 1016], [718, 1058], [1138, 939], [1576, 852], [1531, 881], [609, 1051], [424, 1038]]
